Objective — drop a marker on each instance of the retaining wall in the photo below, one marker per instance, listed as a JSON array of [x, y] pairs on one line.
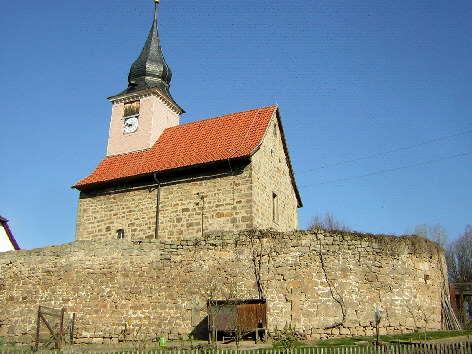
[[326, 284]]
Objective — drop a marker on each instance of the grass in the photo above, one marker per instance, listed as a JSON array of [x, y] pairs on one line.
[[335, 342], [414, 337], [4, 343]]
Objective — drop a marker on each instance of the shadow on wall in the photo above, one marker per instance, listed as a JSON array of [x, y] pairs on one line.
[[200, 332]]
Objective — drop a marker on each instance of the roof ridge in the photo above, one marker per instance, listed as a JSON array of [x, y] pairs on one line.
[[231, 136], [224, 115]]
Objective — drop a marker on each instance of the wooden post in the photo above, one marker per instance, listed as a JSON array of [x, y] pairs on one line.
[[378, 317], [462, 307], [38, 324], [378, 336], [61, 326], [72, 325]]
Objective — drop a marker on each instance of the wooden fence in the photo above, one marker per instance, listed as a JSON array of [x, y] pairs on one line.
[[452, 348]]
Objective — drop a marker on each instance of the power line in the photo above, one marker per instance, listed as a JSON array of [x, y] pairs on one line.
[[390, 170], [387, 152]]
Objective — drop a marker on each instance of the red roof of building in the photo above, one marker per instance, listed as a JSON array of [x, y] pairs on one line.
[[217, 139]]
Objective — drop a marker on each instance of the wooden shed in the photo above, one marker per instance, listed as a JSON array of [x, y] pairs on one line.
[[237, 317]]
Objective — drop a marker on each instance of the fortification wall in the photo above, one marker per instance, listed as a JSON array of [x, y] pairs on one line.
[[325, 284]]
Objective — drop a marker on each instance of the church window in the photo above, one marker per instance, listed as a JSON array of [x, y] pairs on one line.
[[130, 117], [120, 234], [275, 208], [131, 109]]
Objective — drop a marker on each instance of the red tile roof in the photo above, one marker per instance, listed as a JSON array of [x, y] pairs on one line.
[[216, 139]]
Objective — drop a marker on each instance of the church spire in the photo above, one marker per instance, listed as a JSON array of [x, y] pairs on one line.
[[150, 69]]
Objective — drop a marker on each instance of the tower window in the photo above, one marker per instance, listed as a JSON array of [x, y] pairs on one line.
[[131, 109], [275, 208], [120, 234]]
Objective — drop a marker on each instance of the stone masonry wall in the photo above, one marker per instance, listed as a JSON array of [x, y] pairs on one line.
[[221, 200], [325, 284], [275, 202], [132, 209]]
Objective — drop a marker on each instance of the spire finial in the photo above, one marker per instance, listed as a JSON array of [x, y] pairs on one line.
[[156, 2], [150, 69]]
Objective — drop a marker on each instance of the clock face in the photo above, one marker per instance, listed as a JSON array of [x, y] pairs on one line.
[[131, 125]]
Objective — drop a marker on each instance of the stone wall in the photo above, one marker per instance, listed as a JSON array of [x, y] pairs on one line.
[[275, 202], [132, 209], [325, 284], [190, 205], [198, 204]]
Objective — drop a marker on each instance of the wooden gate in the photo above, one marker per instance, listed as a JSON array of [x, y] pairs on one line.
[[57, 323]]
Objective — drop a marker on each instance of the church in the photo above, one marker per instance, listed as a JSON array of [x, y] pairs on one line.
[[210, 210], [161, 179]]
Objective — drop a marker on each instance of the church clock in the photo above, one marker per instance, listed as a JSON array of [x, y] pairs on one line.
[[131, 125]]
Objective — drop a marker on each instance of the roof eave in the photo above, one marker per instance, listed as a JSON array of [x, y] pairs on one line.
[[130, 96], [116, 181]]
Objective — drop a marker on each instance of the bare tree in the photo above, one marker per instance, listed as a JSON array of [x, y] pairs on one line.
[[435, 233], [458, 254], [460, 267], [421, 316], [463, 255], [439, 234], [328, 222]]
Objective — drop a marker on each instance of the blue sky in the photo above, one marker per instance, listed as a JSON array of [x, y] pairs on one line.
[[352, 79]]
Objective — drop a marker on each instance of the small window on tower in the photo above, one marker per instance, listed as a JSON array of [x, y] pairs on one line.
[[131, 109], [120, 234]]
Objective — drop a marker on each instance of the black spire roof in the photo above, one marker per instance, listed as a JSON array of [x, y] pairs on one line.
[[150, 69]]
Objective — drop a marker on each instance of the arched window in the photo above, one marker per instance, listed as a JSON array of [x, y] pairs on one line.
[[120, 233]]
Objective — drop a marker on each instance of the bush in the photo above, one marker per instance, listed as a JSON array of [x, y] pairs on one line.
[[287, 338]]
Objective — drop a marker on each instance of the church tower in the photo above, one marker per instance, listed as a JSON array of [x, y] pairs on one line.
[[142, 111]]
